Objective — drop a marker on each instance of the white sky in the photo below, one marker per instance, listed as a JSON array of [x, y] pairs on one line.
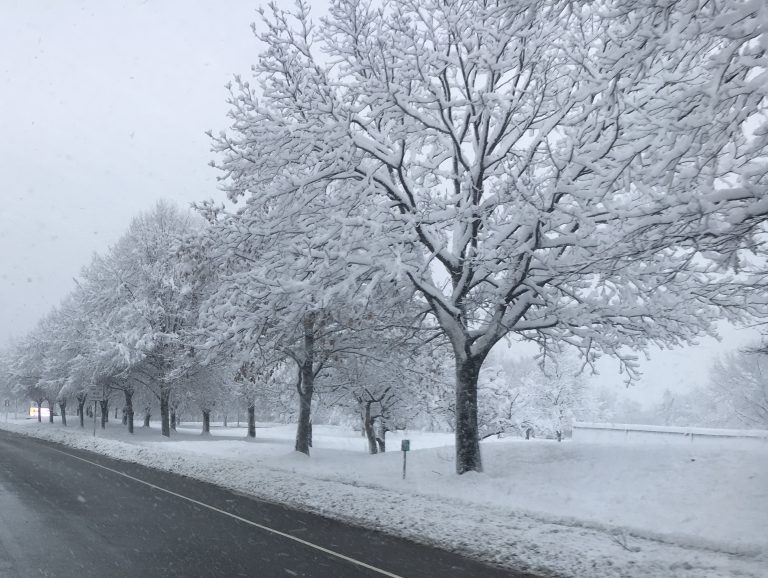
[[103, 109]]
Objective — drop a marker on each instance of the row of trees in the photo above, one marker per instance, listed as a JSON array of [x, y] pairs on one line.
[[571, 173], [144, 324], [135, 333], [582, 175]]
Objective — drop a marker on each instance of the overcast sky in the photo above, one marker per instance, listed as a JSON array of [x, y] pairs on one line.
[[103, 109]]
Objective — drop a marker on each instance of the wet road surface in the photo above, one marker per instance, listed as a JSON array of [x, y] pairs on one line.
[[71, 513]]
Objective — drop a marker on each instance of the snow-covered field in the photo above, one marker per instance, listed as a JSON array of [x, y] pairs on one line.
[[575, 509]]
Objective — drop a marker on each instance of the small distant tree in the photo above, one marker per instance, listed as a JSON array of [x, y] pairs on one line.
[[146, 402], [6, 379], [432, 402], [504, 393], [527, 395], [375, 387], [739, 387], [204, 389], [251, 381], [560, 395]]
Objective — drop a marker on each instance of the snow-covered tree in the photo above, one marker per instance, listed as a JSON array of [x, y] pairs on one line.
[[558, 395], [501, 156], [260, 381], [52, 358], [141, 300], [26, 366], [205, 387], [283, 292], [529, 396], [382, 388], [505, 391], [739, 387], [432, 403], [6, 379], [63, 347]]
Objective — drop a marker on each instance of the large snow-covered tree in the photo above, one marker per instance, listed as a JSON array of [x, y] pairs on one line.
[[141, 301], [510, 159], [267, 306]]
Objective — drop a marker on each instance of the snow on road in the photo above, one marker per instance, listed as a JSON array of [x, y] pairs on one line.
[[572, 509]]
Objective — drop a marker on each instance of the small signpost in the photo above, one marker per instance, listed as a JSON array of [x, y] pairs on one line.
[[405, 447], [96, 393]]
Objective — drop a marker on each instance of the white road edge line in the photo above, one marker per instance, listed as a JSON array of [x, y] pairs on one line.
[[236, 517]]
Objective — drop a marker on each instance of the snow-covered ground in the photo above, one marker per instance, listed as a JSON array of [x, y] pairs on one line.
[[575, 509]]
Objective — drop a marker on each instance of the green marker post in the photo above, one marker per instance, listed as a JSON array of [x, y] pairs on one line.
[[405, 447]]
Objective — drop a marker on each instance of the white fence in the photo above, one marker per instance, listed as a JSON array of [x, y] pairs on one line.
[[652, 434]]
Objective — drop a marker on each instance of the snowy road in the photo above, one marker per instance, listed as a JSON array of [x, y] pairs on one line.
[[65, 512]]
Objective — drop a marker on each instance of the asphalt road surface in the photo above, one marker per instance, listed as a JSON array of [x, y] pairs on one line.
[[71, 513]]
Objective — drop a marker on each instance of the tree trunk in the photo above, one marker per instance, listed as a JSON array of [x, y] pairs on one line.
[[51, 405], [369, 433], [304, 430], [147, 415], [104, 412], [63, 408], [173, 418], [306, 388], [225, 420], [381, 439], [39, 411], [467, 436], [165, 422], [81, 408], [128, 409], [206, 422], [251, 420]]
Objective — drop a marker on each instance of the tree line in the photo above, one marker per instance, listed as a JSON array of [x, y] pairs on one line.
[[418, 181]]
